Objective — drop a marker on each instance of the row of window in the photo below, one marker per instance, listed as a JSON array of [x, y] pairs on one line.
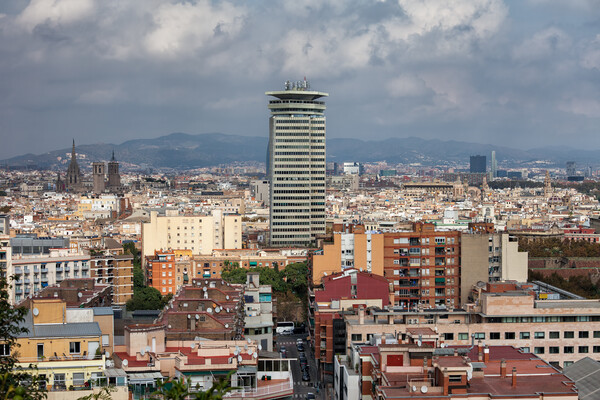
[[523, 335], [566, 349]]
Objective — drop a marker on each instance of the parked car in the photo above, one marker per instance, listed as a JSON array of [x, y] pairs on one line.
[[305, 376], [310, 396], [300, 346]]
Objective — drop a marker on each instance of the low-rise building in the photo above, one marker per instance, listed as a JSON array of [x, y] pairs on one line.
[[258, 321]]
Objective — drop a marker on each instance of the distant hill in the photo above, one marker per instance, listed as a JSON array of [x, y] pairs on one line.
[[185, 151]]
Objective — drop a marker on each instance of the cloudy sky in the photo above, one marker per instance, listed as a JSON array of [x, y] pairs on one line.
[[523, 73]]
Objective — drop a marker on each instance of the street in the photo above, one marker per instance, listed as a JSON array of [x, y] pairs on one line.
[[301, 388]]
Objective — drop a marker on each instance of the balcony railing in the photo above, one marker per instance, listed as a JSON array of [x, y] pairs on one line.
[[267, 391]]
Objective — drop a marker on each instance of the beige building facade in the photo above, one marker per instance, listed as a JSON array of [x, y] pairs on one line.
[[199, 233]]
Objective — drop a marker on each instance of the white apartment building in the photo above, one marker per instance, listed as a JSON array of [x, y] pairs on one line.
[[199, 233], [296, 165], [258, 322], [35, 272]]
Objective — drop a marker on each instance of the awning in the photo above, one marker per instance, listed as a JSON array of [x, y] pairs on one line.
[[144, 377], [114, 372]]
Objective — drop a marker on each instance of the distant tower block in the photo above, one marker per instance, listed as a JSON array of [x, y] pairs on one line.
[[98, 172], [114, 179]]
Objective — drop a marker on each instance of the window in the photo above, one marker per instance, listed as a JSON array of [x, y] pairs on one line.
[[74, 347], [554, 335], [596, 349], [553, 350], [567, 363], [568, 350], [509, 335], [596, 334], [357, 337], [4, 350], [59, 381], [583, 349], [524, 335], [463, 336], [494, 335], [78, 378], [525, 349], [480, 335], [584, 334], [448, 336], [539, 335], [104, 340], [569, 335], [538, 350]]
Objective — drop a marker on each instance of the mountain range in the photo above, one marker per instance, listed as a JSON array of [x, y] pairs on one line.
[[185, 151]]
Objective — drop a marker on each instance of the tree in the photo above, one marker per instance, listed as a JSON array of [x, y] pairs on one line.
[[296, 275], [103, 394], [179, 389], [138, 278], [16, 383], [146, 298]]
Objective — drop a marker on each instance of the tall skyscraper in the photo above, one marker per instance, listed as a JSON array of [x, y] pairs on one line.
[[478, 164], [494, 166], [296, 165]]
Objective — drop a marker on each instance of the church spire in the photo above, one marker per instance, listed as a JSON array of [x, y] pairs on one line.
[[73, 150], [113, 155]]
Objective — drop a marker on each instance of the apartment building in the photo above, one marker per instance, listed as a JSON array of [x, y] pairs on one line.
[[35, 272], [499, 252], [258, 321], [411, 369], [560, 331], [117, 272], [67, 347], [200, 234], [342, 293], [162, 272], [208, 266]]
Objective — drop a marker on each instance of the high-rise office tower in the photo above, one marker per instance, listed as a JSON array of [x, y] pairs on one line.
[[478, 164], [296, 165], [571, 168], [494, 166]]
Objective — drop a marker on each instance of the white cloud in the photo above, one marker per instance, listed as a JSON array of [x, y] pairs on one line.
[[55, 12], [587, 107], [543, 44], [407, 86], [183, 28], [102, 96]]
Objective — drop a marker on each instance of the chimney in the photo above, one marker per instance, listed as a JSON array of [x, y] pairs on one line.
[[514, 377], [455, 352], [503, 368], [486, 354], [361, 315]]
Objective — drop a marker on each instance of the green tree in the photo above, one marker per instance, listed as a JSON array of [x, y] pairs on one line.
[[138, 278], [102, 394], [180, 389], [296, 275], [16, 383], [146, 298]]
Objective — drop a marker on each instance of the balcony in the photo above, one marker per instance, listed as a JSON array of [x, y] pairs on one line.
[[273, 389], [67, 269], [18, 270], [44, 279], [59, 270], [44, 270], [28, 281], [85, 267], [36, 269], [36, 280], [27, 270], [18, 291]]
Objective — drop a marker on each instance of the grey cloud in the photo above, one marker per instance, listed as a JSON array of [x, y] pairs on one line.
[[478, 70]]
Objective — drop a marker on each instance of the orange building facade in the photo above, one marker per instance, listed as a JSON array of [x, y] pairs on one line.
[[162, 272]]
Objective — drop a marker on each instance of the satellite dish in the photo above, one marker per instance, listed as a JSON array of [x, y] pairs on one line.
[[249, 340], [228, 309], [239, 358], [218, 310], [206, 282], [237, 349], [259, 346], [246, 346], [424, 389], [209, 310], [79, 294], [419, 343], [414, 388], [325, 273], [226, 325], [125, 363], [192, 346], [106, 354], [197, 316], [36, 312], [108, 363], [169, 326], [250, 352], [204, 288], [227, 297], [143, 351], [189, 316], [255, 355]]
